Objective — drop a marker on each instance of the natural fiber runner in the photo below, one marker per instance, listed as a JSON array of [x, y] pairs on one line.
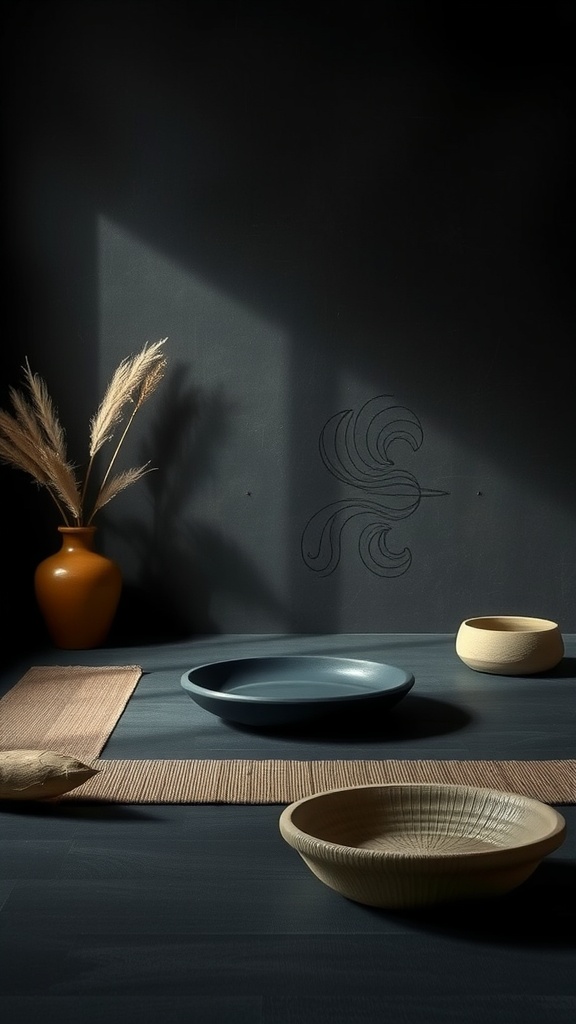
[[281, 782], [71, 709]]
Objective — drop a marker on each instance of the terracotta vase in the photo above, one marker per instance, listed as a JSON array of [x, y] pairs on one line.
[[78, 591]]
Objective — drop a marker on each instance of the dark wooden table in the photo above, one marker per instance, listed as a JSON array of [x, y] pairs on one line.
[[177, 914]]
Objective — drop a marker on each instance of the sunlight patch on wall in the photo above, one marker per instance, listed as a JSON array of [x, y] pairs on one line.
[[218, 428]]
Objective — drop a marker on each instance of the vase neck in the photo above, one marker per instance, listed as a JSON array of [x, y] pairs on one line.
[[77, 537]]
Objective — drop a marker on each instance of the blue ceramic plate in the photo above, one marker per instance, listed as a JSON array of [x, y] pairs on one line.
[[283, 690]]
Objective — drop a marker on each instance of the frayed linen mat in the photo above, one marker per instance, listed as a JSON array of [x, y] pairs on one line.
[[73, 710], [281, 782]]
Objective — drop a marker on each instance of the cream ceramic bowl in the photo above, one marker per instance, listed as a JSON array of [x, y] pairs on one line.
[[405, 845], [509, 645]]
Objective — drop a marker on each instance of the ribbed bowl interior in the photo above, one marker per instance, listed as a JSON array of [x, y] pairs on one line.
[[408, 844]]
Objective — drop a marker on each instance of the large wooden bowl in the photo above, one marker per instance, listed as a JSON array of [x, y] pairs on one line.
[[400, 846], [509, 645]]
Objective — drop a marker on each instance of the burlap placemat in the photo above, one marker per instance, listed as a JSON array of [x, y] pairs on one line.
[[71, 709]]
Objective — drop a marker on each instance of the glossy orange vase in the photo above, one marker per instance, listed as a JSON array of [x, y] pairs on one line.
[[78, 591]]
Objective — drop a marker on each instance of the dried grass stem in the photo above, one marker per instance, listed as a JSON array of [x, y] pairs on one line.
[[33, 440]]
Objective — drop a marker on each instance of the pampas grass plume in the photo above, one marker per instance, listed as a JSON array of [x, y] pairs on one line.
[[32, 438]]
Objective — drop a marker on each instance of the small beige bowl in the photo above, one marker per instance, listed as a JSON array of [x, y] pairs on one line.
[[509, 645], [403, 845]]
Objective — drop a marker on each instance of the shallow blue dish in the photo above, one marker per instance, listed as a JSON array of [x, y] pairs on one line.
[[284, 690]]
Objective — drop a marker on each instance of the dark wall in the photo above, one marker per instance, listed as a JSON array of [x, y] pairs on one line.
[[354, 225]]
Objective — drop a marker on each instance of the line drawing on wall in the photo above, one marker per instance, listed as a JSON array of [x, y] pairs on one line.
[[356, 449]]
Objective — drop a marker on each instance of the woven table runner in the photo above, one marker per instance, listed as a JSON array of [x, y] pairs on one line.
[[280, 782], [73, 710]]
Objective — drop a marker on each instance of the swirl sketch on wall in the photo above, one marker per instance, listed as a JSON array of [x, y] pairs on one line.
[[356, 449]]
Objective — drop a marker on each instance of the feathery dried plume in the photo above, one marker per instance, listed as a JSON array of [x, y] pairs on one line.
[[14, 450], [32, 439], [151, 381], [147, 388], [115, 485], [127, 378], [25, 417], [63, 483], [46, 415], [22, 448], [131, 375]]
